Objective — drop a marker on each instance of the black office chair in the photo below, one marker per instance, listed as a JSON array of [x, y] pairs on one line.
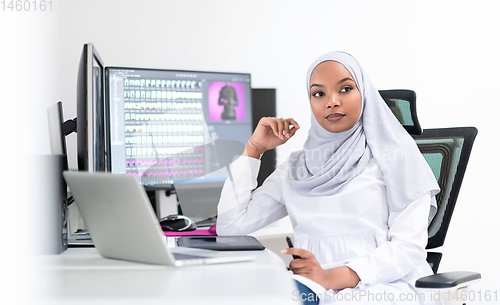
[[447, 152]]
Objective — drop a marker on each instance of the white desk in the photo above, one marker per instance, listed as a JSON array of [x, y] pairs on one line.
[[82, 276]]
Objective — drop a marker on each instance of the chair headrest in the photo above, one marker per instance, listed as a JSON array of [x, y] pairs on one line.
[[403, 104]]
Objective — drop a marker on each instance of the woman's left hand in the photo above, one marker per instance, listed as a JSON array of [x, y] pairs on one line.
[[308, 266]]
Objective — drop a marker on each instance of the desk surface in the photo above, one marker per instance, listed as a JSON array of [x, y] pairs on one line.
[[82, 276]]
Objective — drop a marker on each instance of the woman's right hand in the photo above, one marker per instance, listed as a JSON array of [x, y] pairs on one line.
[[272, 132]]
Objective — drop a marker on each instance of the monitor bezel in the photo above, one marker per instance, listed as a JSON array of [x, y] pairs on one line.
[[56, 132], [86, 114]]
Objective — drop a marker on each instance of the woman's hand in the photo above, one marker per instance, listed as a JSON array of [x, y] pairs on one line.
[[272, 132], [309, 267]]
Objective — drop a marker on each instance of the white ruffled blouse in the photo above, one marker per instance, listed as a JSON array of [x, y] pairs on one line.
[[355, 227]]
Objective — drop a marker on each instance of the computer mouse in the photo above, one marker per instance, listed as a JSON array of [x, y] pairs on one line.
[[177, 223]]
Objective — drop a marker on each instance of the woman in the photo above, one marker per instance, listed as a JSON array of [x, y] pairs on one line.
[[359, 195]]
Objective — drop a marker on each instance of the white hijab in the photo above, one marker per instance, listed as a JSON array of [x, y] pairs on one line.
[[330, 160]]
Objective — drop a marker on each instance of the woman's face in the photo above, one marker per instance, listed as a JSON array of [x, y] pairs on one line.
[[335, 98]]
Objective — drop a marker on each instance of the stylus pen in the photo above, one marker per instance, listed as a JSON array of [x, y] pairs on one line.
[[290, 245]]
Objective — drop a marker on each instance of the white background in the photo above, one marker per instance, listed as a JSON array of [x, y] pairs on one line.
[[447, 51]]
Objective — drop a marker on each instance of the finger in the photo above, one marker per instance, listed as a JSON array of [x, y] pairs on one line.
[[293, 122], [272, 123], [279, 123], [286, 128], [292, 131], [296, 264], [299, 270], [303, 253]]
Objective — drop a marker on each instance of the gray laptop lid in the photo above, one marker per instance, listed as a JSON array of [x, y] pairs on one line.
[[118, 215]]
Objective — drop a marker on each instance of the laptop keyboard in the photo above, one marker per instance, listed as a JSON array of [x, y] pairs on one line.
[[179, 256]]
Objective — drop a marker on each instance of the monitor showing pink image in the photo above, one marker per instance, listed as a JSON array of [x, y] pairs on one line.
[[226, 101]]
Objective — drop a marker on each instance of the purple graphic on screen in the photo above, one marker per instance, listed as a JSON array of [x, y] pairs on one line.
[[216, 110]]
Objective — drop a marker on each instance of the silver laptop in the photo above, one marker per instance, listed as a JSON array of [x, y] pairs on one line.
[[123, 225]]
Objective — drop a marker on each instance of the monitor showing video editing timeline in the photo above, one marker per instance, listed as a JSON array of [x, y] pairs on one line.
[[168, 127]]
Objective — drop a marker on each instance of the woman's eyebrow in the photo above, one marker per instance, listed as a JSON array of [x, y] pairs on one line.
[[345, 79], [316, 85], [339, 82]]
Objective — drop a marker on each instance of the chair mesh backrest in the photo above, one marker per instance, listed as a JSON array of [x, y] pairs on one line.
[[403, 105], [447, 151]]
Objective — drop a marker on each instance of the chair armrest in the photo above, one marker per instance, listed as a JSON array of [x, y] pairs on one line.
[[447, 279]]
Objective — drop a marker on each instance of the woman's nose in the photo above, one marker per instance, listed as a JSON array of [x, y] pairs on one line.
[[332, 102]]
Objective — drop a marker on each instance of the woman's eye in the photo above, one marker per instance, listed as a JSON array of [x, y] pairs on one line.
[[318, 94], [346, 89]]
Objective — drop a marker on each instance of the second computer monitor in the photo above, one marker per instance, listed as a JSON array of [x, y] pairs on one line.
[[90, 127], [170, 127]]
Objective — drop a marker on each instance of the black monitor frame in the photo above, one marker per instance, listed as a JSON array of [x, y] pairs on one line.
[[90, 113], [56, 131]]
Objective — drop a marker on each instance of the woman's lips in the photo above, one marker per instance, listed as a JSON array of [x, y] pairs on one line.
[[333, 117]]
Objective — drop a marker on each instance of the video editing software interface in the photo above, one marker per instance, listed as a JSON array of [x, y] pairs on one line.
[[163, 123]]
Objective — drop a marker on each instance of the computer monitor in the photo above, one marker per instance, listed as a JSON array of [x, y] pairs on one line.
[[56, 132], [90, 111], [57, 164], [170, 127]]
